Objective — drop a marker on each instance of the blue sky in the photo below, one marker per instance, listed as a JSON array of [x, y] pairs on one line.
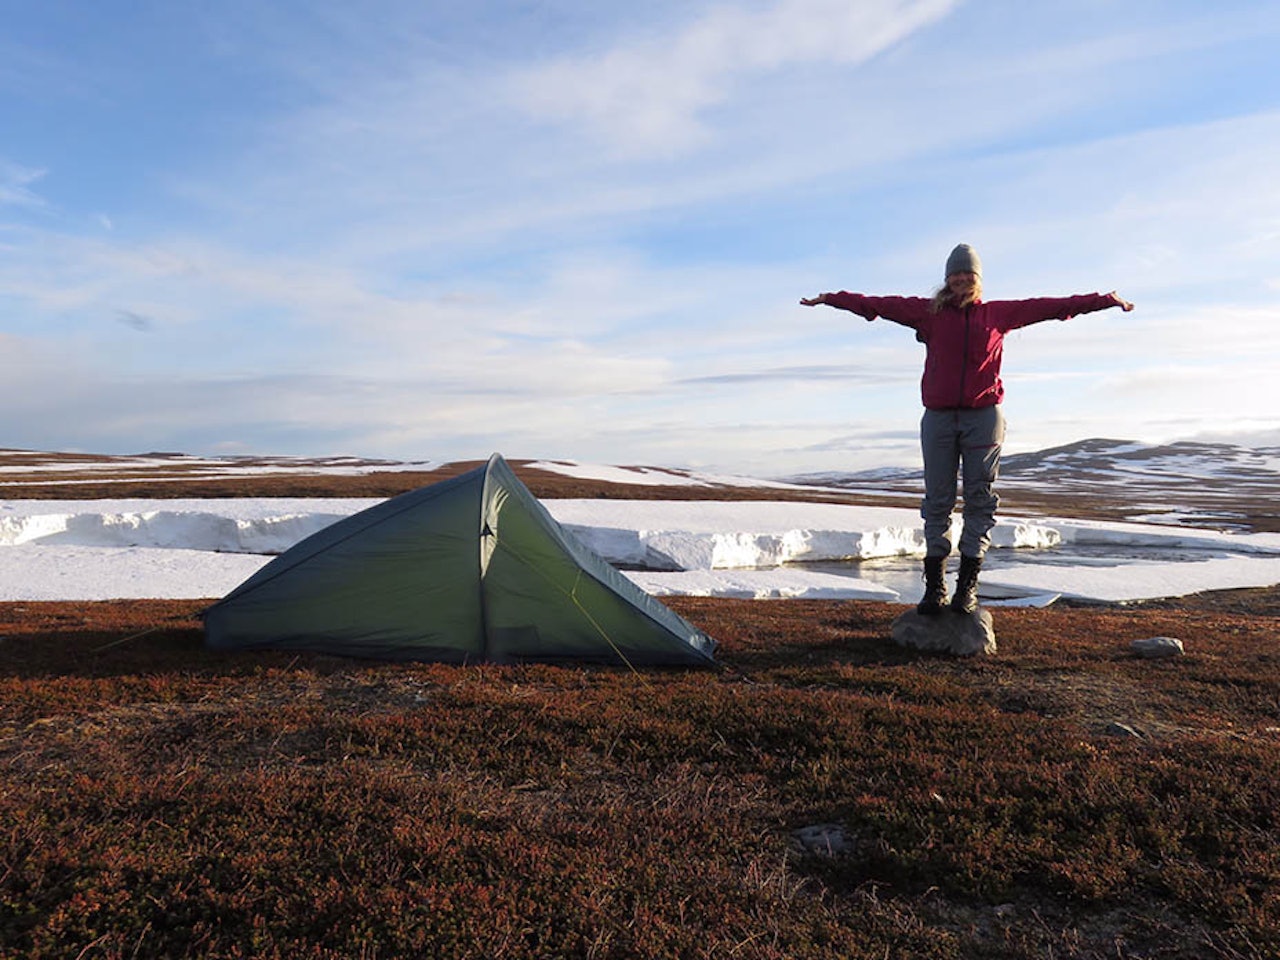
[[431, 230]]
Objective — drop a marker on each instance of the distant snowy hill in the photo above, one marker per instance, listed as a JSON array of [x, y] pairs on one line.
[[1199, 484], [1220, 486], [1111, 461]]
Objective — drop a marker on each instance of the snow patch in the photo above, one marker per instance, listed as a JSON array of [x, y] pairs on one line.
[[761, 585], [90, 550]]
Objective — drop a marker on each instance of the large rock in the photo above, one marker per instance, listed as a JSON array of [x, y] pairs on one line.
[[960, 634]]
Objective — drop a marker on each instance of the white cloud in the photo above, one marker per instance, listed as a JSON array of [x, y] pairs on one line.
[[15, 185], [419, 249], [651, 96], [1161, 211]]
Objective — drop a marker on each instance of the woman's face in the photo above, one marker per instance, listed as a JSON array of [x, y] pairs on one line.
[[961, 284]]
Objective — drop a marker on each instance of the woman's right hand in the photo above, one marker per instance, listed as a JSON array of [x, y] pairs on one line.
[[814, 301]]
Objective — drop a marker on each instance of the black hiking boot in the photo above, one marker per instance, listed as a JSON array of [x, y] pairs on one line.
[[935, 586], [966, 598]]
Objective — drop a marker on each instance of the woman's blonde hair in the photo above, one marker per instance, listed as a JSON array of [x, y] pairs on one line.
[[943, 297]]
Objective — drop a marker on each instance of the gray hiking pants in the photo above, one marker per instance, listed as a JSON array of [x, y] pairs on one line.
[[966, 443]]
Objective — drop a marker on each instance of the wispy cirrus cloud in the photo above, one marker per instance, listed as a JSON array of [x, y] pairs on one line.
[[15, 185], [843, 373], [651, 96]]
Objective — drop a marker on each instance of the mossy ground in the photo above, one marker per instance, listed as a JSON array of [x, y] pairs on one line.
[[158, 799]]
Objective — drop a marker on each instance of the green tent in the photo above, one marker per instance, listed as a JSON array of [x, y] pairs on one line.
[[470, 569]]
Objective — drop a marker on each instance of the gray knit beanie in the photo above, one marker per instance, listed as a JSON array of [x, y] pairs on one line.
[[963, 259]]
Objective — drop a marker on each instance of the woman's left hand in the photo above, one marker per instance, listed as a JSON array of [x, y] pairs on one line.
[[1124, 305]]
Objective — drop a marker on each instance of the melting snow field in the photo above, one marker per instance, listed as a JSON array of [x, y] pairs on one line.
[[195, 549]]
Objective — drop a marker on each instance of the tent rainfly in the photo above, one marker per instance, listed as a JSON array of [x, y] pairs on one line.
[[470, 569]]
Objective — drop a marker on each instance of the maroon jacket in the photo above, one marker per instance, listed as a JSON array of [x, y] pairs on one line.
[[964, 347]]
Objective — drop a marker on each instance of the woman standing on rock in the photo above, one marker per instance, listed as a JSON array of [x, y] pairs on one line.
[[963, 427]]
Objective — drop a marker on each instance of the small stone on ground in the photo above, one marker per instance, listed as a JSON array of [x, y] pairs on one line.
[[821, 839], [1155, 647]]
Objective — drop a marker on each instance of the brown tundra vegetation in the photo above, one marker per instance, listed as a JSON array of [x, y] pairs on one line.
[[1062, 799]]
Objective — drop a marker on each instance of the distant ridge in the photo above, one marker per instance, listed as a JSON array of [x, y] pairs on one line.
[[1192, 462], [1103, 455], [1204, 484]]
